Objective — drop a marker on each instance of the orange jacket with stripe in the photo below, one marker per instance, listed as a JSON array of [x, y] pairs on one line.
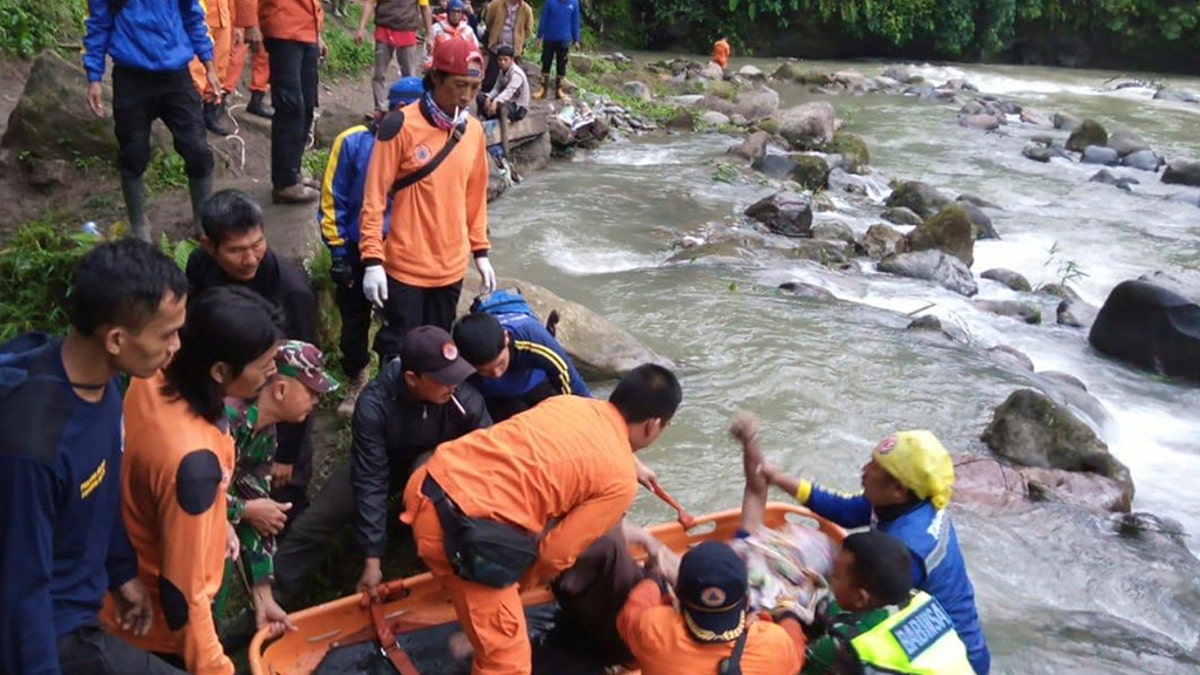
[[437, 222], [568, 459], [297, 20], [173, 480]]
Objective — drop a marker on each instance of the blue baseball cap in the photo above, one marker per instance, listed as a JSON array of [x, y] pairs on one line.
[[405, 91], [712, 592]]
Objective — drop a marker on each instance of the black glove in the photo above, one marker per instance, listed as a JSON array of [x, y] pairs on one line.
[[342, 273]]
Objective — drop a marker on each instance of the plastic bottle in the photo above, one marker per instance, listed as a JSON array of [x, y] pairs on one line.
[[90, 228]]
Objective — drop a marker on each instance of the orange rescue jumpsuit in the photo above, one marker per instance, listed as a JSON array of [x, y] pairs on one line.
[[245, 15], [173, 479], [220, 27], [720, 54], [567, 460]]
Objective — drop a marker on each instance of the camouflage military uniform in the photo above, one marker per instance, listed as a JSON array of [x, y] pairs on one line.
[[251, 480]]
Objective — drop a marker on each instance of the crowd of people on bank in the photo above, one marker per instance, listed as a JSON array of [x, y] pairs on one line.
[[161, 451]]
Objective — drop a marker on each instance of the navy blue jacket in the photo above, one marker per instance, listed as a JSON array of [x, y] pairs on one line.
[[938, 566], [63, 543], [560, 21], [155, 35], [535, 357]]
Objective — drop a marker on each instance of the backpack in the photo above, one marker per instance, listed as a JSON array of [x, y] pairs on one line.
[[509, 302]]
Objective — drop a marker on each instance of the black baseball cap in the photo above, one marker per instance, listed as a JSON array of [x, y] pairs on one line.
[[428, 350]]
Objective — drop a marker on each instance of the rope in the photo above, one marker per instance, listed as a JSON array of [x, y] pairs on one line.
[[236, 135]]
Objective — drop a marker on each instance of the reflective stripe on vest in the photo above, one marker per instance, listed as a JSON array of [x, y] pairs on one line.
[[919, 639]]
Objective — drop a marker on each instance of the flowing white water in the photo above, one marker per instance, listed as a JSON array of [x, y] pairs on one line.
[[1057, 592]]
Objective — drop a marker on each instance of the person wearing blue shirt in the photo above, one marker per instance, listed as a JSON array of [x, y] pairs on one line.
[[907, 485], [557, 30], [151, 43], [64, 545], [337, 216], [518, 363]]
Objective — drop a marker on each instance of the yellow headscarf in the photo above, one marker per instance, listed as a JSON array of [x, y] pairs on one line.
[[919, 461]]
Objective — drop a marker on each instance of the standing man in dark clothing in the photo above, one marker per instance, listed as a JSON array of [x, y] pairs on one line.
[[291, 32], [415, 403], [235, 252], [151, 44], [64, 545], [558, 29]]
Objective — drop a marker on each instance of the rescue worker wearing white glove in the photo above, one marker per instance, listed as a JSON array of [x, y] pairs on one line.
[[439, 223]]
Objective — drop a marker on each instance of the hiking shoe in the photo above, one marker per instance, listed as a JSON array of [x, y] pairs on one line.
[[345, 410], [257, 107], [213, 121], [295, 194]]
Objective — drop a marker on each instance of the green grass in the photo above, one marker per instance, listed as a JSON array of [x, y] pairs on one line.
[[314, 161], [345, 59], [165, 173]]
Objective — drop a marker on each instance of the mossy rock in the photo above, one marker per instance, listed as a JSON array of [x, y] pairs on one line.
[[949, 231], [722, 89], [790, 72], [682, 120], [817, 77], [1090, 132], [915, 79], [924, 200], [581, 64], [611, 80], [811, 172], [688, 87], [769, 125], [853, 150]]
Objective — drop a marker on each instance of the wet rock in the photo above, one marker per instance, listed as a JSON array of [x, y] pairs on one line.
[[638, 90], [740, 248], [682, 120], [983, 481], [1009, 278], [1143, 160], [1025, 311], [1040, 153], [818, 77], [499, 180], [1180, 95], [45, 173], [881, 241], [1106, 177], [714, 118], [1150, 326], [806, 290], [1044, 139], [853, 150], [840, 181], [774, 166], [833, 230], [1036, 117], [924, 200], [785, 213], [950, 231], [931, 323], [751, 72], [769, 125], [850, 79], [808, 126], [982, 203], [722, 89], [756, 103], [712, 71], [811, 172], [1066, 121], [972, 108], [1185, 283], [828, 253], [897, 72], [958, 84], [600, 349], [932, 265], [1095, 154], [1032, 430], [1063, 379], [1008, 356], [1125, 142], [1076, 313], [788, 71], [754, 147], [1057, 290], [983, 122], [1089, 132], [739, 120], [981, 224], [901, 215], [1182, 173]]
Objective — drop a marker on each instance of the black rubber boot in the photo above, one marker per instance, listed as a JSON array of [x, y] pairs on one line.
[[199, 189], [134, 192], [257, 107], [213, 120]]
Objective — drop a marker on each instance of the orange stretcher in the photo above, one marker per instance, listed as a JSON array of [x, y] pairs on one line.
[[417, 602]]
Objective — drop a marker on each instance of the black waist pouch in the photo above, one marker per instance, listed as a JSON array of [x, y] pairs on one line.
[[481, 550]]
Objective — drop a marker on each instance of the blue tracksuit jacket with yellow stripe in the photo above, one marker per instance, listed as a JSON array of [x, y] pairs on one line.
[[342, 191], [536, 357]]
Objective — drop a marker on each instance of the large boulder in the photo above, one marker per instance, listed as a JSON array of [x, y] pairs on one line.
[[1016, 309], [811, 172], [1143, 160], [1066, 121], [753, 147], [756, 103], [901, 215], [945, 270], [897, 72], [1180, 95], [881, 241], [824, 251], [774, 166], [1075, 312], [1089, 132], [980, 222], [713, 118], [833, 230], [600, 349], [1036, 118], [51, 119], [950, 231], [1031, 429], [854, 152], [1010, 357], [987, 482], [785, 213], [1184, 282], [924, 200], [751, 72], [788, 71], [712, 71], [1011, 279], [1182, 173], [1150, 326], [808, 126], [1125, 142], [1096, 154], [982, 122]]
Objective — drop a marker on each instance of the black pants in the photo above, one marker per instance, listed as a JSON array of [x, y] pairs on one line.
[[142, 96], [296, 441], [501, 409], [515, 112], [91, 651], [408, 307], [555, 50], [356, 318], [294, 95], [312, 534]]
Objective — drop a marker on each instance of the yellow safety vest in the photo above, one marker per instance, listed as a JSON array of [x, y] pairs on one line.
[[919, 639]]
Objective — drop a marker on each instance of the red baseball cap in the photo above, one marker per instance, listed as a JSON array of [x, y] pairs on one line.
[[454, 57]]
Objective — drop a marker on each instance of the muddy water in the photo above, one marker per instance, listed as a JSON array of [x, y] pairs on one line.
[[1057, 591]]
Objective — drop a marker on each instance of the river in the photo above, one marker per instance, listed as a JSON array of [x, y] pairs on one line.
[[1057, 591]]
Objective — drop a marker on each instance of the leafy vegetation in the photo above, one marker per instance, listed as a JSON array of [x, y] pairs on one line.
[[165, 172], [344, 58], [36, 265], [314, 162], [30, 26]]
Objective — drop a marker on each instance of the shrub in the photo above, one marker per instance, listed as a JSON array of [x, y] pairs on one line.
[[30, 26], [345, 59]]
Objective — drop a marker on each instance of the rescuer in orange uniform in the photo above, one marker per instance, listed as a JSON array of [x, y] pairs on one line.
[[721, 51]]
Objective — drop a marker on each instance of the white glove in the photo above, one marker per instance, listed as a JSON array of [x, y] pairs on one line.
[[487, 274], [375, 285]]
